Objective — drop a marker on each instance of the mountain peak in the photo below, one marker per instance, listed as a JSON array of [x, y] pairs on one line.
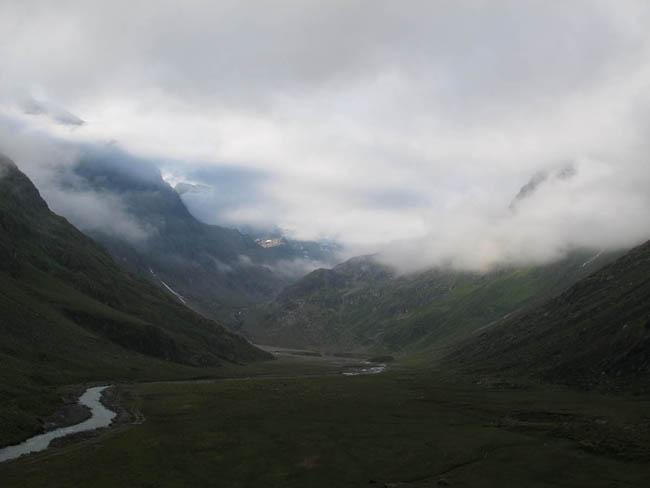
[[18, 188]]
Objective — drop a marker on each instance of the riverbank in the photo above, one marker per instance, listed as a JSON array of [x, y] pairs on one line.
[[116, 400], [97, 408], [120, 398], [71, 411]]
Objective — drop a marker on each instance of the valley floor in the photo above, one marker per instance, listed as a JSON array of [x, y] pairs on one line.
[[296, 422]]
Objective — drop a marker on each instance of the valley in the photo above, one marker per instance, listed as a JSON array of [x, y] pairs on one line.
[[70, 315], [306, 244], [524, 375], [212, 269], [363, 305], [299, 422]]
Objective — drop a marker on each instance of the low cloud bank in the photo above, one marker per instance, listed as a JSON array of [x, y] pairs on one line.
[[292, 269], [50, 164], [587, 205], [464, 134]]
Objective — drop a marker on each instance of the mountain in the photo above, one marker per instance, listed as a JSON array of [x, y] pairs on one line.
[[323, 252], [539, 179], [69, 313], [595, 334], [362, 305], [214, 270]]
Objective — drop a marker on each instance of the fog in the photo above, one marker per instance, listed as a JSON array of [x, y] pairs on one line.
[[456, 133], [50, 163]]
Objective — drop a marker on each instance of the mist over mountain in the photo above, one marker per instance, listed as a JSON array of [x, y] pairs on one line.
[[397, 135], [208, 267], [364, 305], [42, 251], [55, 113], [594, 335], [320, 244], [123, 202]]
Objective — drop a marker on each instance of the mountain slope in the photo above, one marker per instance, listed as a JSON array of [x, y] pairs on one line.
[[596, 333], [361, 305], [212, 269], [203, 263], [68, 313]]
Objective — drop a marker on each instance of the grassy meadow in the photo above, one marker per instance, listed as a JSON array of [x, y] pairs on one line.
[[296, 422]]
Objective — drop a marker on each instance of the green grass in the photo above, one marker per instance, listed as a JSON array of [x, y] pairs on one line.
[[412, 427], [361, 305], [594, 335]]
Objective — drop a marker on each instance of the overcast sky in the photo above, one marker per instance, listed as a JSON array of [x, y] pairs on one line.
[[407, 127]]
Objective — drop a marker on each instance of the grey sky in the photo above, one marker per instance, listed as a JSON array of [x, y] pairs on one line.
[[407, 127]]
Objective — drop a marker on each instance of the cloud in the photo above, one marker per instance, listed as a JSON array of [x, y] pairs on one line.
[[538, 179], [216, 193], [57, 114], [294, 269], [245, 260], [96, 212], [50, 164], [559, 216], [5, 165], [403, 128], [222, 267]]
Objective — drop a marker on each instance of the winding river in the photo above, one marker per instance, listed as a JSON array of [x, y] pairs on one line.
[[367, 368], [100, 417]]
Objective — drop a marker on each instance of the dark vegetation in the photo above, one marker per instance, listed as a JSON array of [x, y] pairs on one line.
[[404, 428], [362, 305], [595, 334]]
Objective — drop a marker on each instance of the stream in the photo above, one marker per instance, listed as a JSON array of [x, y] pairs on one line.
[[366, 368], [100, 417]]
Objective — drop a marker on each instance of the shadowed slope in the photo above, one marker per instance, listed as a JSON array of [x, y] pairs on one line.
[[596, 333], [68, 313], [362, 304]]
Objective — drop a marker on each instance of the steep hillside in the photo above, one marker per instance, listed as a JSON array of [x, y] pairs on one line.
[[68, 313], [210, 268], [596, 333], [362, 305]]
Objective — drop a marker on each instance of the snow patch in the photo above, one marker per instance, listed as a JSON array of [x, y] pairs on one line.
[[591, 260], [177, 295]]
